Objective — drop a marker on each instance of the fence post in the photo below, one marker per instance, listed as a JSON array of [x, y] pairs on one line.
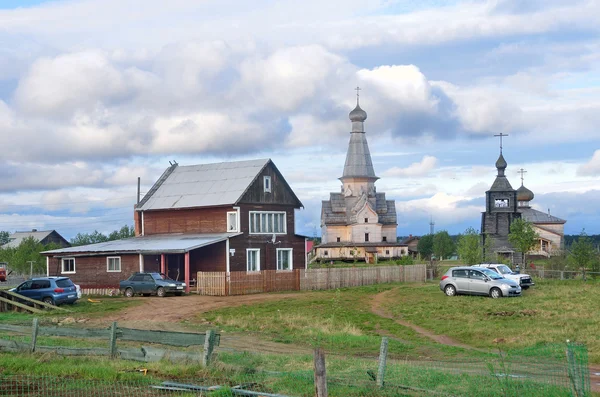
[[113, 340], [209, 345], [562, 275], [382, 361], [34, 333], [320, 373]]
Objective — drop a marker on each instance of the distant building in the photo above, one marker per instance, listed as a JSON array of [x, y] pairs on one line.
[[44, 236], [503, 205], [358, 223], [550, 229], [412, 243]]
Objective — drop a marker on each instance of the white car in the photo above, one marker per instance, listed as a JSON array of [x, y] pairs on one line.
[[524, 280]]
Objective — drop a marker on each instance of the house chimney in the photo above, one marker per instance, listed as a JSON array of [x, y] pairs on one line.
[[34, 230]]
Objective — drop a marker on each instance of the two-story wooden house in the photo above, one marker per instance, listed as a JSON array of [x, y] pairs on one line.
[[223, 217]]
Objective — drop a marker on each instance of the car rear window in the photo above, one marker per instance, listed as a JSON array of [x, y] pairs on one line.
[[64, 283]]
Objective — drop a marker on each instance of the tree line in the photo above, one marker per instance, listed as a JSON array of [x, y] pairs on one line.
[[26, 257], [581, 252]]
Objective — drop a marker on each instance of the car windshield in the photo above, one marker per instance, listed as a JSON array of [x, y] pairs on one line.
[[492, 274], [503, 269]]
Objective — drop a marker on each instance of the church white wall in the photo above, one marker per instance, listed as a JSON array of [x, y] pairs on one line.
[[359, 230], [333, 232], [389, 232]]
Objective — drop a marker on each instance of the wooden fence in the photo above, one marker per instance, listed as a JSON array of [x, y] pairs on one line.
[[209, 340], [241, 283]]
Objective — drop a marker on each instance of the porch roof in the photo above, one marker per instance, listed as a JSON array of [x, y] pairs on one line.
[[174, 243]]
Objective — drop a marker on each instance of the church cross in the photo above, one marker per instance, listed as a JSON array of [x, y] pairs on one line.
[[501, 135], [357, 89], [522, 172]]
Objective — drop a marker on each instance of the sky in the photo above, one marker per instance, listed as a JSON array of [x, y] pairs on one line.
[[96, 93]]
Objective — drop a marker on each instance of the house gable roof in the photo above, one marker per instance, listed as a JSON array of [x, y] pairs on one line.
[[17, 237], [203, 185]]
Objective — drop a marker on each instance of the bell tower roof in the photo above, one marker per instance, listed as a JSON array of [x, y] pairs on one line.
[[358, 157]]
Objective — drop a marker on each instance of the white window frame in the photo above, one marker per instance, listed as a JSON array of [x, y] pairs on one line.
[[108, 258], [237, 222], [62, 267], [291, 259], [267, 183], [248, 250], [252, 224]]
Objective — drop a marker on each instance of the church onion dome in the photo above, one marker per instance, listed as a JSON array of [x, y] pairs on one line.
[[501, 163], [358, 114], [524, 194]]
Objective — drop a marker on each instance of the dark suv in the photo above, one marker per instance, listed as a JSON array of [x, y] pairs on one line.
[[150, 283], [50, 290]]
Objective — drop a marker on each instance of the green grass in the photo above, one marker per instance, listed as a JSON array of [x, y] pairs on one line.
[[341, 321], [552, 311]]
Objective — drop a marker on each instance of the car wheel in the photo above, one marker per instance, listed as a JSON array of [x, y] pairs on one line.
[[450, 290], [160, 292], [496, 293], [129, 292], [48, 300]]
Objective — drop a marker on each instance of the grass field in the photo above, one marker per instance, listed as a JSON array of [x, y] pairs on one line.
[[342, 321]]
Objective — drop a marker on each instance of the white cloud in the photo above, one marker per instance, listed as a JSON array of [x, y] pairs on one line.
[[403, 84], [71, 82], [422, 168], [592, 167], [289, 76]]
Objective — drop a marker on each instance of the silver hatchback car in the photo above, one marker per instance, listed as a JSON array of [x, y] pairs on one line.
[[477, 281]]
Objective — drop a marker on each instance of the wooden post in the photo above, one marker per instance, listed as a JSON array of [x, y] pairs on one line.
[[382, 361], [320, 373], [209, 345], [113, 340], [34, 333], [186, 267], [163, 268]]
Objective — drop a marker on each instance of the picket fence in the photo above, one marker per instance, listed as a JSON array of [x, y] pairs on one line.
[[242, 283]]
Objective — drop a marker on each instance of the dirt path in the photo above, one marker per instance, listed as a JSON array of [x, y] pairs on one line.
[[376, 308]]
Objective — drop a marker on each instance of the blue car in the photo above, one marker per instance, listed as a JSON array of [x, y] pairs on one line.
[[50, 290]]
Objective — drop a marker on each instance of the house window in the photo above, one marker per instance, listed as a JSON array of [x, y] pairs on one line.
[[253, 260], [384, 238], [267, 183], [68, 265], [267, 222], [284, 259], [325, 253], [366, 236], [232, 221], [113, 264], [366, 220], [387, 252], [339, 239]]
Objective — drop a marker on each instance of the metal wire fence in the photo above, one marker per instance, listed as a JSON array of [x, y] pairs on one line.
[[545, 370]]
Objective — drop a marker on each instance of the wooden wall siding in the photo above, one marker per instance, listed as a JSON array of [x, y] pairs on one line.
[[280, 193], [55, 238], [268, 251], [151, 263], [197, 220], [208, 259], [236, 283], [90, 271]]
